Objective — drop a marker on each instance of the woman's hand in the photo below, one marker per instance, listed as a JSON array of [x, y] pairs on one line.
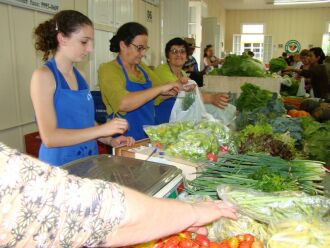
[[122, 140], [115, 126], [171, 89], [207, 212], [184, 80], [219, 100], [184, 84]]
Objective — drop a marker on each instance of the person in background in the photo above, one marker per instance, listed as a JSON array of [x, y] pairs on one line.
[[297, 63], [285, 57], [327, 64], [43, 206], [191, 59], [304, 57], [210, 60], [191, 65], [128, 87], [60, 95], [176, 55], [317, 72], [250, 53]]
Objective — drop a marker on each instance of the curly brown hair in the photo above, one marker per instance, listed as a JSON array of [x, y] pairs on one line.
[[65, 22]]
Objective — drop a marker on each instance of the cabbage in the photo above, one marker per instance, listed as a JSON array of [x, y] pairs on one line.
[[242, 65], [277, 64]]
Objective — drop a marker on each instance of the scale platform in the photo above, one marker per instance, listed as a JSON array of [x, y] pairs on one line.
[[154, 179]]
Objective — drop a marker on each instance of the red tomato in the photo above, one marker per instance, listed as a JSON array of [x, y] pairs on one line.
[[257, 244], [212, 157], [245, 244], [185, 235], [214, 245], [224, 244], [159, 145], [224, 149], [202, 240], [170, 245], [240, 237], [173, 240], [233, 242], [188, 243], [249, 237]]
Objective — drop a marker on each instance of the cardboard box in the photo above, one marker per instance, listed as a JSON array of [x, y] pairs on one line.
[[233, 84]]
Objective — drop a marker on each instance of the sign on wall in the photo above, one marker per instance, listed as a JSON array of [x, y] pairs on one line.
[[49, 6], [292, 46]]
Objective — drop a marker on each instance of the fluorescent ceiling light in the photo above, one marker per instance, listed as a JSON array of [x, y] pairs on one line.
[[292, 2]]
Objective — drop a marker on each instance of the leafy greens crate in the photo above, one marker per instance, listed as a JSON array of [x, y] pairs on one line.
[[233, 84]]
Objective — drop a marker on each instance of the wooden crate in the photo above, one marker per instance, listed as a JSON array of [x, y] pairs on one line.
[[233, 84]]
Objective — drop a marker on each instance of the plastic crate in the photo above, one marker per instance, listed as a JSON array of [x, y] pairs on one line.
[[32, 143]]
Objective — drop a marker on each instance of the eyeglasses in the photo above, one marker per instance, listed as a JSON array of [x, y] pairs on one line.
[[140, 48], [178, 51]]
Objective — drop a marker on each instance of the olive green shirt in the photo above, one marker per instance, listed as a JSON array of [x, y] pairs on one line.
[[112, 84], [166, 75]]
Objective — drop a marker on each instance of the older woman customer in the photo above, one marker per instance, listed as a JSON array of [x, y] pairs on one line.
[[176, 55]]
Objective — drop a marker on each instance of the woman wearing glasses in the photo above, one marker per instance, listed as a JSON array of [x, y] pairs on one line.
[[128, 87], [176, 55]]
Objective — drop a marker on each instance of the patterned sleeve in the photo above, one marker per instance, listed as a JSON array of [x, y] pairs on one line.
[[43, 206]]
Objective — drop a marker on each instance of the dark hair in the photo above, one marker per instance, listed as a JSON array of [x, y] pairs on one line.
[[207, 48], [250, 53], [127, 33], [304, 53], [284, 54], [175, 42], [318, 52], [66, 22]]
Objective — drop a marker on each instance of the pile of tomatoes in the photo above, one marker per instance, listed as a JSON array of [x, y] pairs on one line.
[[193, 240]]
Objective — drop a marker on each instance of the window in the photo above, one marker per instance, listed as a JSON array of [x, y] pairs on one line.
[[253, 39], [252, 28], [192, 15]]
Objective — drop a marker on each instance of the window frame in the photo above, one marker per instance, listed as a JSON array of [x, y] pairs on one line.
[[253, 23]]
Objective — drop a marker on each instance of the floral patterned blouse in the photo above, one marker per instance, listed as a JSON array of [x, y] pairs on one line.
[[43, 206]]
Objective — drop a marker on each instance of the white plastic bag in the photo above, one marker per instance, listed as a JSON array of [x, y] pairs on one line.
[[194, 113], [226, 115], [301, 90]]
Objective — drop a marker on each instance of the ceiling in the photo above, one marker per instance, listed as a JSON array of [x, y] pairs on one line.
[[266, 4]]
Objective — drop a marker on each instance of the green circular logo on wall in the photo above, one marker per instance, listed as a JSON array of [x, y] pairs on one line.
[[292, 46]]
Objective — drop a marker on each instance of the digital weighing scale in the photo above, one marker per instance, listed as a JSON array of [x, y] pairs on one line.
[[154, 179]]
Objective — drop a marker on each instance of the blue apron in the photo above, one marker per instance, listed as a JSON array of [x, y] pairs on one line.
[[163, 111], [74, 110], [145, 114]]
